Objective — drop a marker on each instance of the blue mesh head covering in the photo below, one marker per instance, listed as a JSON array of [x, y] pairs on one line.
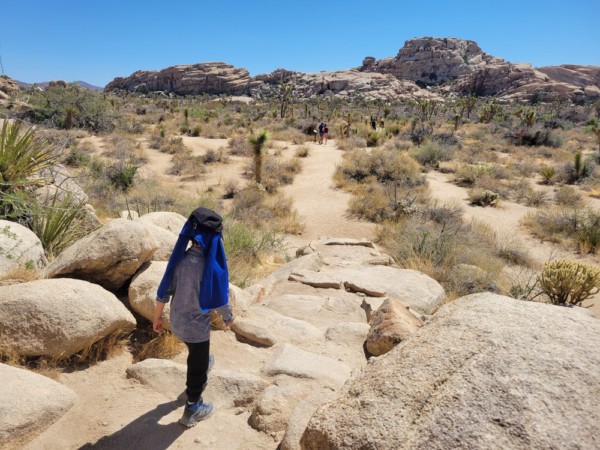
[[204, 226]]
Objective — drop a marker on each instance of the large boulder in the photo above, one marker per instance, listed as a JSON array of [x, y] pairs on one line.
[[109, 256], [30, 404], [60, 317], [486, 372], [60, 184], [166, 242], [142, 291], [19, 246], [170, 221], [391, 324]]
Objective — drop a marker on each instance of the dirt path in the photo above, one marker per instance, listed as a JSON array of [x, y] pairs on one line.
[[322, 207]]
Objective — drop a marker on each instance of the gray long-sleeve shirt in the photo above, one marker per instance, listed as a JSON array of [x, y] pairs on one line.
[[188, 323]]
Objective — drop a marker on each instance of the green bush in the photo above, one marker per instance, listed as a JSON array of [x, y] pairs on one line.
[[71, 106], [568, 282], [431, 154]]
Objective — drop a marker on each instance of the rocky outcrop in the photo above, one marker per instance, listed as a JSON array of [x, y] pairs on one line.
[[347, 84], [518, 82], [8, 86], [486, 372], [19, 246], [109, 256], [432, 61], [193, 79], [30, 404], [421, 62], [60, 317]]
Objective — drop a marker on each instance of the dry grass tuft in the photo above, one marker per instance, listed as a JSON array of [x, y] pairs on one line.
[[164, 346]]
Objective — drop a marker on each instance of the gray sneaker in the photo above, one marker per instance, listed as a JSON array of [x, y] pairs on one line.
[[191, 417]]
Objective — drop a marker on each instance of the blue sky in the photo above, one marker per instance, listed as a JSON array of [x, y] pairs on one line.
[[95, 41]]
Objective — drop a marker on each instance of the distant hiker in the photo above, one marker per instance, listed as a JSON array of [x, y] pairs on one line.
[[325, 134], [321, 128], [373, 122], [197, 281]]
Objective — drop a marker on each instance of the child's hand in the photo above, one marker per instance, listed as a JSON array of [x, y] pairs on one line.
[[157, 324]]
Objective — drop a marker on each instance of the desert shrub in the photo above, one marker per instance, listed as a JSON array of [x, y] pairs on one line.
[[374, 138], [256, 207], [185, 164], [569, 282], [248, 248], [212, 156], [78, 156], [289, 135], [70, 106], [482, 197], [567, 196], [398, 144], [173, 146], [302, 151], [239, 146], [431, 154], [445, 213], [459, 256], [467, 175], [535, 136], [122, 175], [371, 202], [548, 174], [352, 142], [580, 226], [231, 189], [384, 166]]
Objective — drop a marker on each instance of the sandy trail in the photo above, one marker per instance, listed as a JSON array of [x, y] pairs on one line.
[[322, 207]]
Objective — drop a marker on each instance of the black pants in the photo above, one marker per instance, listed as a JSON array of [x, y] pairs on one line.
[[197, 370]]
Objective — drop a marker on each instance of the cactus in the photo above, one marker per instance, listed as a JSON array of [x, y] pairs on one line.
[[568, 282]]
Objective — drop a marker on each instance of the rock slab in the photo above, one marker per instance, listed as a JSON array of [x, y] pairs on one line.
[[486, 372]]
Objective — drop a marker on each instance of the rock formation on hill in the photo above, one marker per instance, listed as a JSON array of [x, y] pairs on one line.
[[432, 61], [425, 67], [205, 78]]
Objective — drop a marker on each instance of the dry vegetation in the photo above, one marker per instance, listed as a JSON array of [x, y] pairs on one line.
[[544, 156]]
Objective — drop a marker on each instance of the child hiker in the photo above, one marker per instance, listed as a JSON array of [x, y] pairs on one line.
[[197, 281]]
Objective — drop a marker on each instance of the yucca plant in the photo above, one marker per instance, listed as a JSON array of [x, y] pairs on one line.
[[258, 142], [21, 158], [58, 223]]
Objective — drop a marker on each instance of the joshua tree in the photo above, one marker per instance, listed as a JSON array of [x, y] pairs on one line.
[[258, 142]]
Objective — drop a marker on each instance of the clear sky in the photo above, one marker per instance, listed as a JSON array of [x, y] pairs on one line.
[[96, 41]]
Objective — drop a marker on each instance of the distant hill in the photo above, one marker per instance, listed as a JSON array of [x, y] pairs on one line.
[[426, 67], [44, 84]]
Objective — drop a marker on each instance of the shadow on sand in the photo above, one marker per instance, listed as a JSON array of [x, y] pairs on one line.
[[144, 432]]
